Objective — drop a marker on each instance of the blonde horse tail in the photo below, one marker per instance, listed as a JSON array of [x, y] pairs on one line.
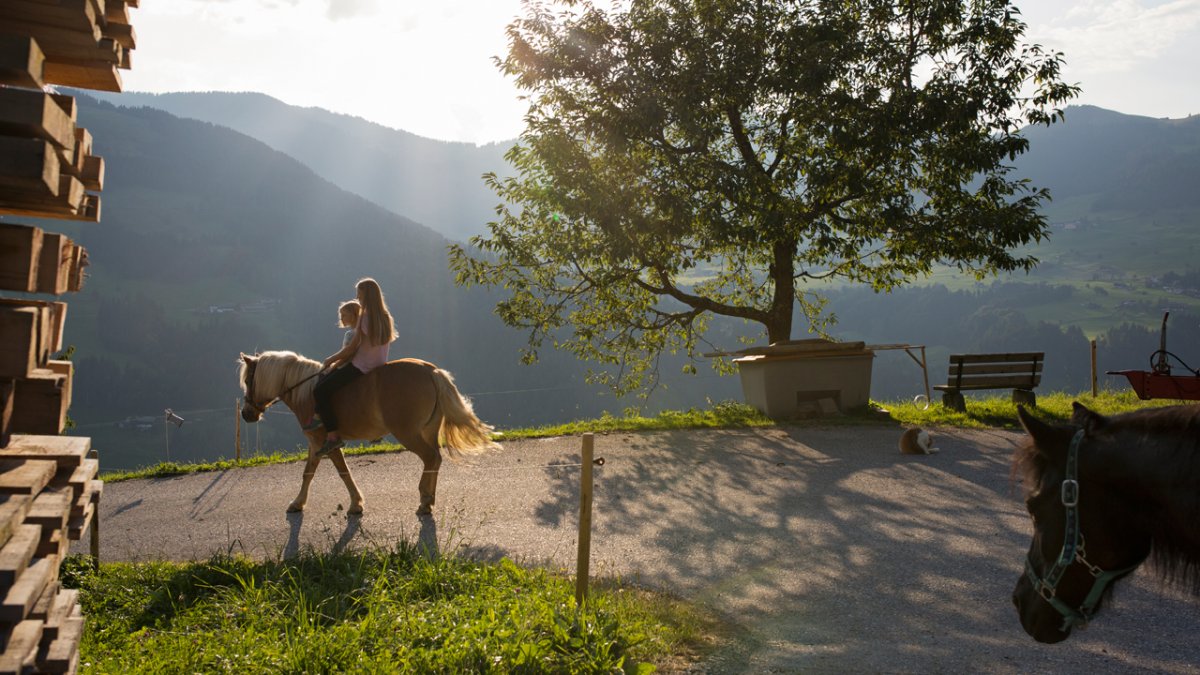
[[462, 432]]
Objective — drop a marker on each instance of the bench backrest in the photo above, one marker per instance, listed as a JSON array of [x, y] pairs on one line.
[[996, 371]]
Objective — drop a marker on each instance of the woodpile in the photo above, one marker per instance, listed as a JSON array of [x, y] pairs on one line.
[[49, 493], [48, 497]]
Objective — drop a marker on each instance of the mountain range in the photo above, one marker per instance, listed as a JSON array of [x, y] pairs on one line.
[[436, 183]]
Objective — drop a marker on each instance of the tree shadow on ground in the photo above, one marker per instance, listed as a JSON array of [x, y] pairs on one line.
[[840, 552]]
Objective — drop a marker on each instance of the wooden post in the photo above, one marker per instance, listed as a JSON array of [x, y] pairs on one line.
[[95, 528], [583, 561], [237, 430], [1095, 392]]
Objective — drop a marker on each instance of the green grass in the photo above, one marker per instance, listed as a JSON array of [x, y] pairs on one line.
[[727, 415], [987, 411], [1000, 411], [400, 610]]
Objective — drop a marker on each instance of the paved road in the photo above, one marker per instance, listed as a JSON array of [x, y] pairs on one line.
[[824, 548]]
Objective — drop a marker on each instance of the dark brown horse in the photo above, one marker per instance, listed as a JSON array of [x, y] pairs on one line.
[[413, 400], [1105, 494]]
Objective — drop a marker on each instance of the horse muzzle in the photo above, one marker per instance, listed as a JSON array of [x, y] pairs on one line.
[[1041, 621], [249, 414]]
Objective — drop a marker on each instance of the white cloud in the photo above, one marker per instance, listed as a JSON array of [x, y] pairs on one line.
[[1117, 36], [346, 9]]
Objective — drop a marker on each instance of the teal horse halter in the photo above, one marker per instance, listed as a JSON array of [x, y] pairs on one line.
[[1073, 551]]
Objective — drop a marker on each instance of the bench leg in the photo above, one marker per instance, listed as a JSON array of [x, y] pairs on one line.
[[1024, 397], [954, 400]]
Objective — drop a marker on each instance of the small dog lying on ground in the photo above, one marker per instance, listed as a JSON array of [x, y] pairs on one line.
[[916, 442]]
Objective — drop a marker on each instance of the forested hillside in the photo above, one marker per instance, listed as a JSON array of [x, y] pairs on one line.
[[212, 243], [436, 183]]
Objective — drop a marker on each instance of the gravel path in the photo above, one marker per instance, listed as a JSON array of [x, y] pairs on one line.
[[824, 548]]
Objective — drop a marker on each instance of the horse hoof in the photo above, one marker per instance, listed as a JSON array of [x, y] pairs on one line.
[[295, 508], [425, 510], [355, 510]]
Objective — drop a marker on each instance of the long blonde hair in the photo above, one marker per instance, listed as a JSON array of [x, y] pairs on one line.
[[380, 328]]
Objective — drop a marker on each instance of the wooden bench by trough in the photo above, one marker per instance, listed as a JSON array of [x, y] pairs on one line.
[[1020, 372]]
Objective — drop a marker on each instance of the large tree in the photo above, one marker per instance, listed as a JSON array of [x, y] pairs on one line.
[[689, 158]]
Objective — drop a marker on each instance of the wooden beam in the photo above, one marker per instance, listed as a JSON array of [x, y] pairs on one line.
[[88, 210], [41, 402], [33, 114], [53, 275], [58, 321], [74, 15], [29, 164], [67, 103], [21, 647], [93, 173], [116, 11], [67, 44], [39, 328], [90, 75], [75, 274], [20, 341], [67, 452], [25, 476], [12, 515], [19, 599], [7, 391], [122, 33], [21, 61], [20, 253], [69, 198], [83, 148]]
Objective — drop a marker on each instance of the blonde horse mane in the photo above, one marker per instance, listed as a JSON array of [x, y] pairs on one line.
[[274, 372]]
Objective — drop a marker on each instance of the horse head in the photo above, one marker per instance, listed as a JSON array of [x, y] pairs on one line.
[[1082, 540], [251, 411]]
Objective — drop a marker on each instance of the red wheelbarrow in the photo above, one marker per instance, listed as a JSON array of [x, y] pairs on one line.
[[1158, 382]]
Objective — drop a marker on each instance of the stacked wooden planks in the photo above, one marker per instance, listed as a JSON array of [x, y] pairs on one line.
[[47, 168], [48, 497], [48, 487], [76, 43]]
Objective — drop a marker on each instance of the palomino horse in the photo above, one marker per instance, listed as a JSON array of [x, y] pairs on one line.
[[1105, 493], [413, 400]]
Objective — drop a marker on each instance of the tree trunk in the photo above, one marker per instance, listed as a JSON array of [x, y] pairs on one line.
[[782, 270]]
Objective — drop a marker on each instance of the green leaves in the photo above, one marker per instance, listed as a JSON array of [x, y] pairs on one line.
[[689, 159]]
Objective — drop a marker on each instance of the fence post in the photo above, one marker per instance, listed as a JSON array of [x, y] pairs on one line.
[[583, 561], [1094, 389], [237, 430], [95, 454]]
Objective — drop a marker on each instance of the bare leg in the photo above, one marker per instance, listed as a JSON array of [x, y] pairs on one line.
[[343, 469]]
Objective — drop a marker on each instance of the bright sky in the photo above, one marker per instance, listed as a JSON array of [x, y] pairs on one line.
[[425, 66]]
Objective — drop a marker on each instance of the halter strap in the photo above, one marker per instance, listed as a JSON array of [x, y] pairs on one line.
[[1072, 552]]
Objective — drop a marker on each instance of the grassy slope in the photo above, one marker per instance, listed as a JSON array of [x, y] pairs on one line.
[[376, 611]]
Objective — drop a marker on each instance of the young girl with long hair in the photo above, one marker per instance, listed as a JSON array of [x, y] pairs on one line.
[[366, 350]]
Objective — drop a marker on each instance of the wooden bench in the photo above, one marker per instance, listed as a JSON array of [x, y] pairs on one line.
[[973, 372]]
